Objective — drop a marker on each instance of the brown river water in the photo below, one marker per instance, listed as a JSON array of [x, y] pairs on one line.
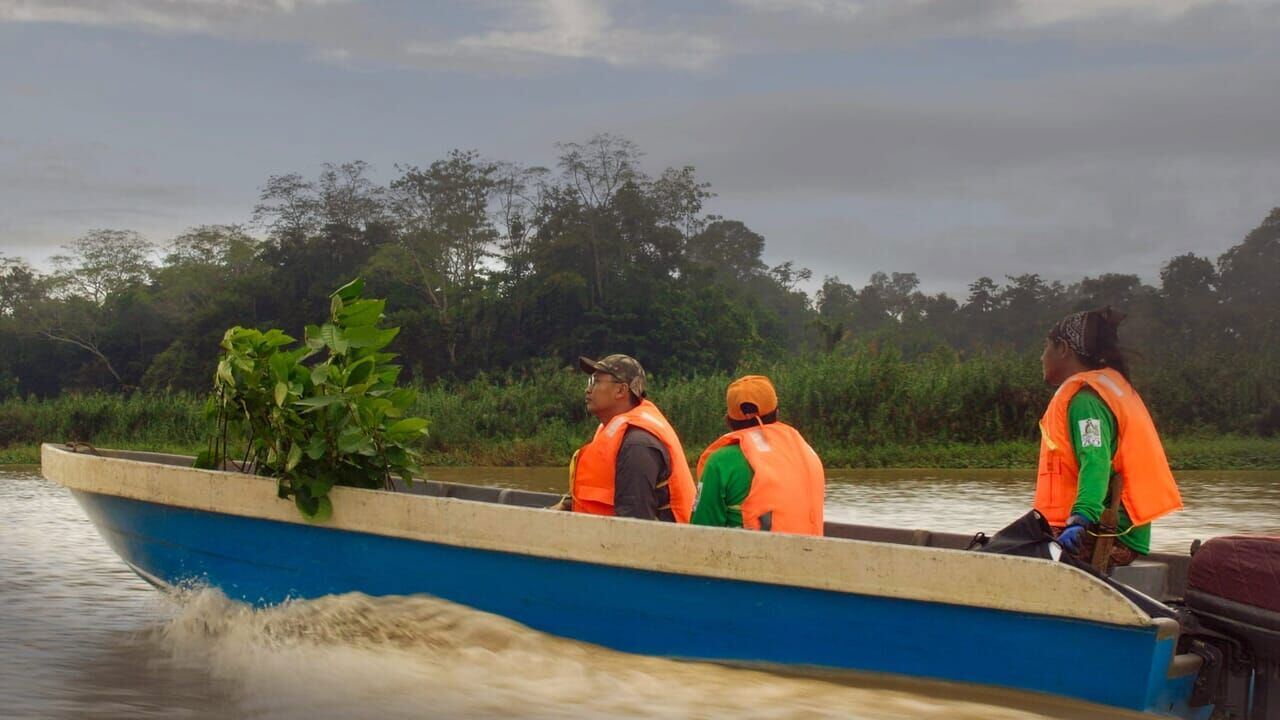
[[82, 637]]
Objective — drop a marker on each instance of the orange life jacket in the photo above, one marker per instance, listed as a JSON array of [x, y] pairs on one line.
[[787, 478], [594, 468], [1148, 489]]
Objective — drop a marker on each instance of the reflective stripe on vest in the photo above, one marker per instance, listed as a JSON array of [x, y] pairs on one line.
[[594, 471], [788, 483], [1149, 490]]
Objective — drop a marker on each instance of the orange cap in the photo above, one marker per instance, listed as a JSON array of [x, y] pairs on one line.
[[753, 389]]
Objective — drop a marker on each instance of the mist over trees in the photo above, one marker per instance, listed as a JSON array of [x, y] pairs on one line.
[[494, 267]]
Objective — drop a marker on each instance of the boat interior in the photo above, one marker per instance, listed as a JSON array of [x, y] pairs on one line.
[[1161, 576]]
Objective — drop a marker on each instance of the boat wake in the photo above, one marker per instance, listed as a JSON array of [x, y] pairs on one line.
[[359, 656]]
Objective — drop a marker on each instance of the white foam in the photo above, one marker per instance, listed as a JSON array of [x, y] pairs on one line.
[[359, 656]]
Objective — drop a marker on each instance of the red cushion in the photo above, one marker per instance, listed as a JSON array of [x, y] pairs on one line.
[[1241, 568]]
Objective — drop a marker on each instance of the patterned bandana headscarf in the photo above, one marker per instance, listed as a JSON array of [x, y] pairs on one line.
[[1070, 330]]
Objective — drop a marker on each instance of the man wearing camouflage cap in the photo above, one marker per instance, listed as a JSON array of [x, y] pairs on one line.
[[634, 466]]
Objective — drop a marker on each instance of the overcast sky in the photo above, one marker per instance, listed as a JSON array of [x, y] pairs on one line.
[[952, 138]]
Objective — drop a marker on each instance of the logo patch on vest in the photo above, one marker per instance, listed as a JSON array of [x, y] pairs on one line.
[[1091, 432]]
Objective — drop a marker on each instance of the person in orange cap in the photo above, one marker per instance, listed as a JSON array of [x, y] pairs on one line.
[[761, 475]]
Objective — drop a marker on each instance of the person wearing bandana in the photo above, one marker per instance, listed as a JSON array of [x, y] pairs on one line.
[[1097, 426]]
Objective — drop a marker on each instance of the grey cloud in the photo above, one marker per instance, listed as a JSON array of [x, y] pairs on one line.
[[1065, 176], [54, 193], [162, 15], [772, 25], [829, 142], [521, 36], [546, 35]]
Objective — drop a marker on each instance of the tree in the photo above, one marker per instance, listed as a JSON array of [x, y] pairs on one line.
[[318, 233], [520, 193], [1115, 289], [97, 267], [1188, 276], [1248, 283], [102, 262], [287, 208], [593, 173], [20, 286], [1189, 303], [731, 249], [445, 234], [679, 198], [78, 322]]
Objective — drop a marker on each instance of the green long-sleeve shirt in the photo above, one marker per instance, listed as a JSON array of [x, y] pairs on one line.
[[726, 481], [1093, 437]]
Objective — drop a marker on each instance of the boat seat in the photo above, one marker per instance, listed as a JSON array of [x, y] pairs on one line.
[[527, 498], [872, 533], [1147, 577], [478, 493], [897, 536]]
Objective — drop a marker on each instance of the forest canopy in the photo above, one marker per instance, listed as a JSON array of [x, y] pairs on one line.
[[495, 267]]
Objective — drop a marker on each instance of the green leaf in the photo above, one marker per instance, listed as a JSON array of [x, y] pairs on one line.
[[224, 373], [281, 365], [371, 337], [403, 398], [334, 339], [316, 447], [351, 291], [320, 485], [397, 456], [324, 510], [408, 425], [204, 460], [353, 441], [360, 371], [407, 428], [275, 338], [282, 392], [295, 456], [362, 313], [319, 374], [313, 339], [318, 401], [307, 505]]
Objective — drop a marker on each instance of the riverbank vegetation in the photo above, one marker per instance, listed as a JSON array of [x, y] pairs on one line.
[[500, 275], [868, 408]]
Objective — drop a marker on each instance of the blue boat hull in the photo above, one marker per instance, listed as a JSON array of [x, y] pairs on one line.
[[655, 613]]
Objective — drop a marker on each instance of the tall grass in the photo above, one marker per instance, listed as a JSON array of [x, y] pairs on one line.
[[866, 408], [103, 419]]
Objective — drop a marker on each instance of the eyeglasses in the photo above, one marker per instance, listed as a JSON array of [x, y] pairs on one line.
[[593, 380]]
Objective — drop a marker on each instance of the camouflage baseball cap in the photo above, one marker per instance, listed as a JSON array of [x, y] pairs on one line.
[[624, 367]]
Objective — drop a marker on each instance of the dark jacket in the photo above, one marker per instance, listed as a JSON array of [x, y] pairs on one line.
[[643, 465]]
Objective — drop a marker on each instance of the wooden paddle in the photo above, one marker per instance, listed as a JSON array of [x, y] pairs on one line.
[[1108, 526]]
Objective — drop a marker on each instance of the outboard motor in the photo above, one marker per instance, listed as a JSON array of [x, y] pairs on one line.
[[1233, 593]]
